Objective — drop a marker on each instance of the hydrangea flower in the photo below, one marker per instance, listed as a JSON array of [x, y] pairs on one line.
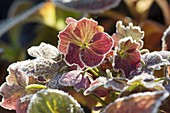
[[127, 56], [84, 43]]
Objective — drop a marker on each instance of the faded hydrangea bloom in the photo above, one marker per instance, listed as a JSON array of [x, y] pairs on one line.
[[84, 43]]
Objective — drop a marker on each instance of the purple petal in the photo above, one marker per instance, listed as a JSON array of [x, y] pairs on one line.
[[73, 55], [70, 19], [89, 58]]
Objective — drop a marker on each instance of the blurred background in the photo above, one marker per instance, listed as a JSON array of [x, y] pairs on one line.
[[24, 23]]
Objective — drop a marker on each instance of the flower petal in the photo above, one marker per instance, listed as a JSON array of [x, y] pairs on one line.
[[128, 57], [90, 58], [66, 36], [101, 43], [69, 20], [72, 56], [85, 29]]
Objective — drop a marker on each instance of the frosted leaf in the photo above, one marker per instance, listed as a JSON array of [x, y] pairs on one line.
[[87, 6], [53, 101], [46, 68], [44, 50], [148, 102]]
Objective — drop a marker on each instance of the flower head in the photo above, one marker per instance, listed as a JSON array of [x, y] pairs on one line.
[[84, 43]]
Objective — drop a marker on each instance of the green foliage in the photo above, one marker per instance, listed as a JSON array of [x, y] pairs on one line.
[[53, 101]]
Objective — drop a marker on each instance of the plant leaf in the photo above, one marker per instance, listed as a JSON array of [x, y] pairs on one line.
[[14, 88], [147, 102], [11, 94], [53, 101], [152, 60], [76, 78], [97, 88], [88, 6], [22, 103], [11, 22], [44, 50], [101, 86], [165, 40], [129, 31], [142, 83], [39, 67]]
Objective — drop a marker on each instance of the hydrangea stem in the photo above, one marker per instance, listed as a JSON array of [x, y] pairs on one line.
[[93, 71], [114, 95], [35, 87]]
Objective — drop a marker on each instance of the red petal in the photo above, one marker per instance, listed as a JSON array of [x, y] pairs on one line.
[[72, 56], [85, 29], [89, 58], [128, 56], [101, 43]]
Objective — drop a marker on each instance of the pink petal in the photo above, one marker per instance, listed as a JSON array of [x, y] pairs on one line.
[[67, 36], [72, 56], [85, 29], [69, 20], [90, 58], [101, 43]]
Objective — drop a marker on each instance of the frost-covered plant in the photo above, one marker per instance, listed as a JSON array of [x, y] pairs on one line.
[[89, 61]]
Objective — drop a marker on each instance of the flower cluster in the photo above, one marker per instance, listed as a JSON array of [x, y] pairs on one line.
[[89, 61]]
